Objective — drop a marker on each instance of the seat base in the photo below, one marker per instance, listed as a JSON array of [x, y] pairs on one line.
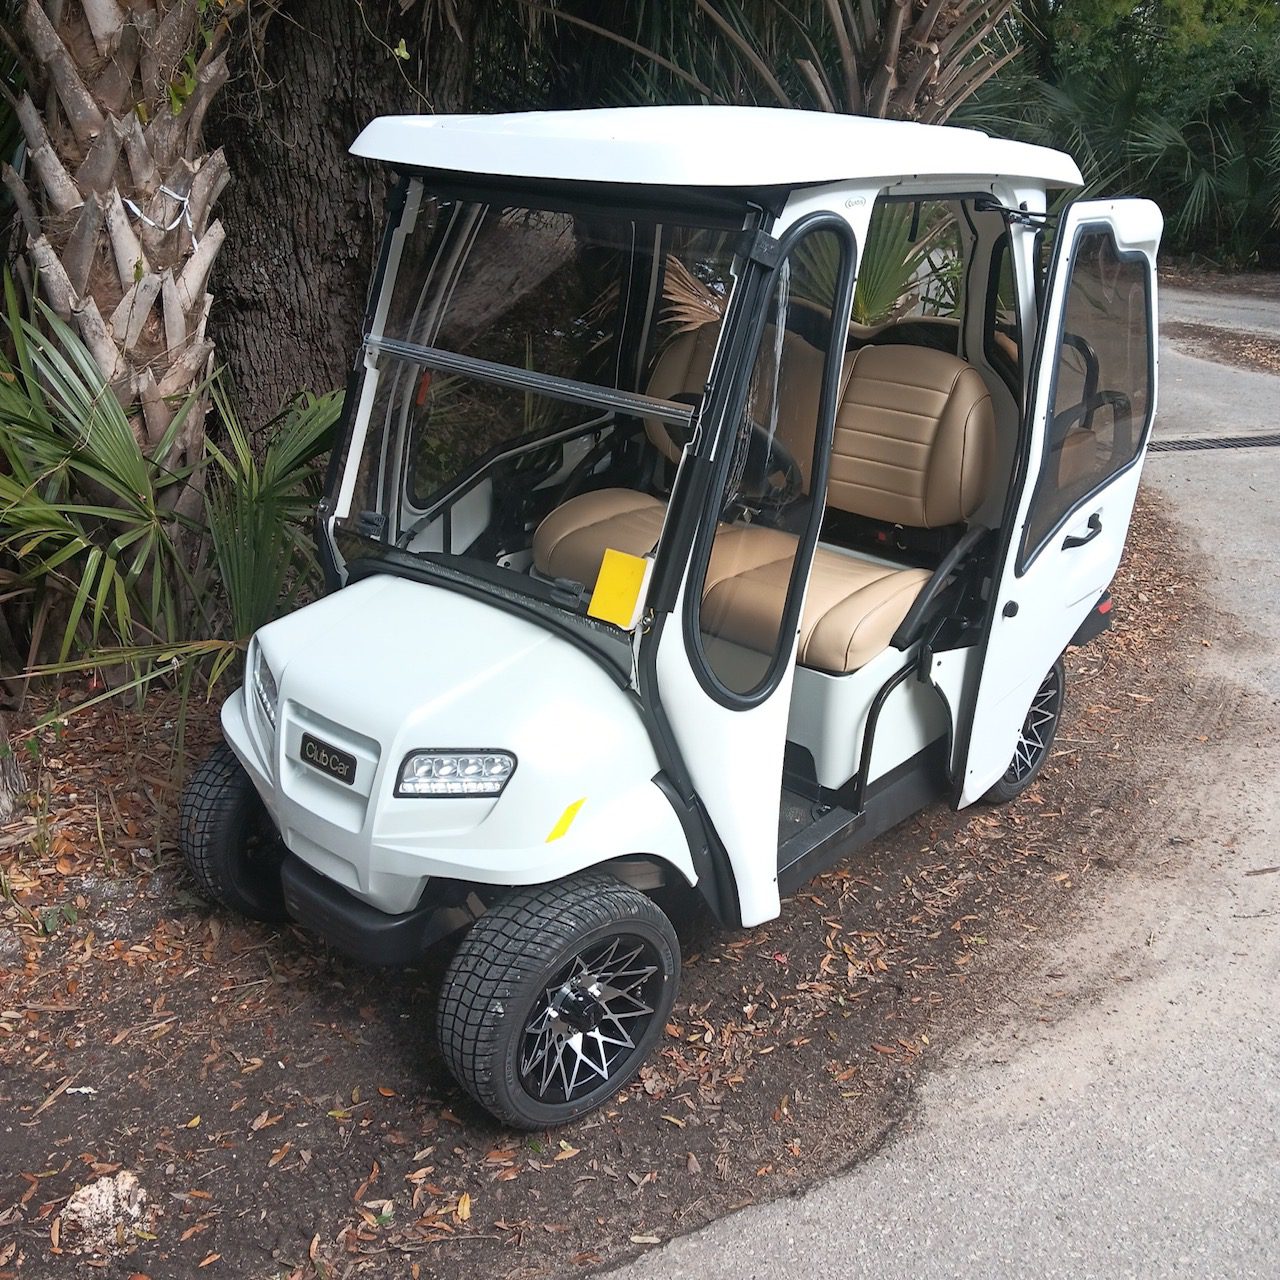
[[851, 611], [571, 541]]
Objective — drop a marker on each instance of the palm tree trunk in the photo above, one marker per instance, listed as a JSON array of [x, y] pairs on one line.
[[12, 781], [118, 194]]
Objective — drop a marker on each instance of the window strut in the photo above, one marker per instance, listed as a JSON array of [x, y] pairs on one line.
[[1021, 215]]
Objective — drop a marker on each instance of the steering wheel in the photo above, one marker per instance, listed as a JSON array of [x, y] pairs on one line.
[[765, 457]]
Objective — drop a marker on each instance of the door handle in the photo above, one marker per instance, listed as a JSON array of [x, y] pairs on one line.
[[1078, 540]]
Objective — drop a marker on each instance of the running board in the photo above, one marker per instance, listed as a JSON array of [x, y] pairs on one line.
[[902, 792], [833, 831]]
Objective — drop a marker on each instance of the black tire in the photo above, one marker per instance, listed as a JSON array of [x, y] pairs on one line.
[[511, 986], [230, 845], [1035, 738]]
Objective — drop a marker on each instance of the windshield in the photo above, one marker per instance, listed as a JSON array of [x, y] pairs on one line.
[[519, 358]]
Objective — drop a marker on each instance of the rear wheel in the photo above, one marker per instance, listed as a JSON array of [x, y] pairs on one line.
[[555, 998], [228, 840], [1035, 738]]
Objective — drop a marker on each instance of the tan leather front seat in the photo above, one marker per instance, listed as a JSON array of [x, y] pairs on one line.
[[914, 444], [571, 541], [683, 367], [851, 612]]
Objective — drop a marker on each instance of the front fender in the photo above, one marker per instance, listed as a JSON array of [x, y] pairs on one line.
[[441, 671]]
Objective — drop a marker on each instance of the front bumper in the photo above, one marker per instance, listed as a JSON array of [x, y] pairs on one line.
[[363, 932]]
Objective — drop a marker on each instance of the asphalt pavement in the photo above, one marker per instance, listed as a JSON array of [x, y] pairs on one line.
[[1137, 1133]]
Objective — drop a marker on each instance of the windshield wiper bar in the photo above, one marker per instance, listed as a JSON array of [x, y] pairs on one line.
[[546, 384]]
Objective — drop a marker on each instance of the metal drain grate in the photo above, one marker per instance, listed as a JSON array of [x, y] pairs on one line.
[[1215, 442]]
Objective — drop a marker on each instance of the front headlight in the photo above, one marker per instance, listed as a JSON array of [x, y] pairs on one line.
[[264, 684], [455, 773]]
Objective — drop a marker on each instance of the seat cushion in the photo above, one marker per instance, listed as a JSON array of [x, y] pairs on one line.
[[850, 614], [571, 541]]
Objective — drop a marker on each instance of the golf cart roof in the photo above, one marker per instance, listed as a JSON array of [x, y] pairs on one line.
[[733, 147]]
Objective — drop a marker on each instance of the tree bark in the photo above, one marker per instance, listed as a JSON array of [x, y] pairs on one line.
[[116, 156], [12, 780], [304, 217]]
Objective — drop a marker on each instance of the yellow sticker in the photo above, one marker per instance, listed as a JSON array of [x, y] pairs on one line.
[[620, 587], [566, 820]]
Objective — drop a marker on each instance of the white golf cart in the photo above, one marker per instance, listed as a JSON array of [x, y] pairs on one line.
[[663, 566]]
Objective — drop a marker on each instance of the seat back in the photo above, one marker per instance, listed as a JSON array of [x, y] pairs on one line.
[[685, 362], [681, 369], [915, 438]]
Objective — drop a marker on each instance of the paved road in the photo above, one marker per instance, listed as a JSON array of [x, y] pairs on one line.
[[1199, 397], [1139, 1134]]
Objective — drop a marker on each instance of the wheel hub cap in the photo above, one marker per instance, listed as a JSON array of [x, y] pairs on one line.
[[588, 1022], [580, 1007]]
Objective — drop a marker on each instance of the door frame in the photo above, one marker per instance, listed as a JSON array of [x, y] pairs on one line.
[[732, 406], [1049, 293], [739, 893], [1028, 555]]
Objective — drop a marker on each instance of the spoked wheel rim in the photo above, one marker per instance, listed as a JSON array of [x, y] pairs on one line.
[[1036, 735], [586, 1026]]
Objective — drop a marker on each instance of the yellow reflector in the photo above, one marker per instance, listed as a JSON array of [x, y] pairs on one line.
[[566, 820], [620, 588]]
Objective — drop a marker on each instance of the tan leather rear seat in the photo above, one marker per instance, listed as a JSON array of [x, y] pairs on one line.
[[914, 440]]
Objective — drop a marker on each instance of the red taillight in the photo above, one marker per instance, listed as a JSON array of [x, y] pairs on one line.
[[1104, 606]]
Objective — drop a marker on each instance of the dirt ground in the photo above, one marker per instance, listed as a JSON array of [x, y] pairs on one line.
[[286, 1113], [1189, 275], [1226, 346]]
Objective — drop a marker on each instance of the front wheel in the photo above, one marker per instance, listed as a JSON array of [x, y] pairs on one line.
[[228, 841], [555, 998], [1035, 738]]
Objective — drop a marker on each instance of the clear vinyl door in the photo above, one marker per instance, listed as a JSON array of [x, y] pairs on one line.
[[1093, 396], [726, 658]]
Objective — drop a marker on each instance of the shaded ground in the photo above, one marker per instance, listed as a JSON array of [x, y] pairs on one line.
[[286, 1113]]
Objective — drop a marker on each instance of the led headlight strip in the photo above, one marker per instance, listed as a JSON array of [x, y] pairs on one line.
[[264, 685], [475, 772]]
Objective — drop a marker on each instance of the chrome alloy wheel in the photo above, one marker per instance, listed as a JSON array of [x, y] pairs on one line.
[[587, 1024], [1037, 732]]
